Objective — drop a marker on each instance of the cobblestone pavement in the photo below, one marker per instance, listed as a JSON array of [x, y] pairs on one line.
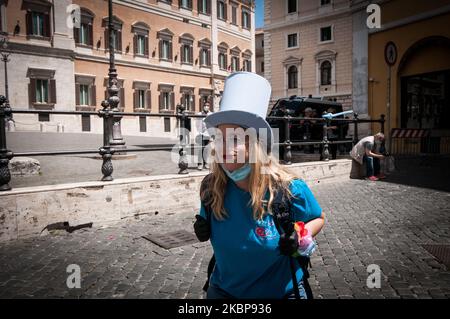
[[380, 223]]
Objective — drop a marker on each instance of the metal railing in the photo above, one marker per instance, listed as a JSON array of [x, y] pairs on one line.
[[110, 116], [325, 143], [415, 141]]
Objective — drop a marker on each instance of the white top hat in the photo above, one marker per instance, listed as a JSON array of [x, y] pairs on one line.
[[245, 101]]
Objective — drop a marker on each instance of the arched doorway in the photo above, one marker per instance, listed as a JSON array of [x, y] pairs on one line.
[[424, 74]]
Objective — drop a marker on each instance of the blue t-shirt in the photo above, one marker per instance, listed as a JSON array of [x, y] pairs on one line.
[[248, 261]]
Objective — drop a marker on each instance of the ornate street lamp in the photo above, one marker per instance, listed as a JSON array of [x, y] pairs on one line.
[[5, 59], [113, 141], [117, 141]]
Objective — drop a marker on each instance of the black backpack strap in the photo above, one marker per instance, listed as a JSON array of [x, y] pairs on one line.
[[212, 261], [205, 185], [281, 209], [284, 222]]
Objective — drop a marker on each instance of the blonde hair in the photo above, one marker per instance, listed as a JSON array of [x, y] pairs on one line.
[[266, 175]]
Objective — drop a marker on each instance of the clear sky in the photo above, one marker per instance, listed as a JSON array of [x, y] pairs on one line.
[[259, 13]]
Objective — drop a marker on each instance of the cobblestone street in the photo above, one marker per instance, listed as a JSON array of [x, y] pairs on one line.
[[382, 223]]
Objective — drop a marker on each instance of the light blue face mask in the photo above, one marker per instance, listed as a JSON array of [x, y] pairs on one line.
[[238, 174]]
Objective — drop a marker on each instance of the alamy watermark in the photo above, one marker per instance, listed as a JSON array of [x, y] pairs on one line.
[[74, 279], [235, 145], [374, 279], [374, 19], [74, 16]]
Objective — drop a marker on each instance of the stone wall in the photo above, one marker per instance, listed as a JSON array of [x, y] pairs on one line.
[[25, 212]]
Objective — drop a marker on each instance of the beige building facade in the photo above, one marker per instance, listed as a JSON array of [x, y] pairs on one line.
[[259, 51], [168, 53], [308, 48]]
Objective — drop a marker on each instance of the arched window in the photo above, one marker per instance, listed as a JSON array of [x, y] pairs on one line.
[[325, 73], [292, 77]]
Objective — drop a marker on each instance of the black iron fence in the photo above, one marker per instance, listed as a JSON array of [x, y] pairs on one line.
[[111, 116]]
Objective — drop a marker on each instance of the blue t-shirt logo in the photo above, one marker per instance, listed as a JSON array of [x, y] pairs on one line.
[[263, 229]]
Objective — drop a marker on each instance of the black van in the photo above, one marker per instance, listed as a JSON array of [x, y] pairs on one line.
[[303, 130]]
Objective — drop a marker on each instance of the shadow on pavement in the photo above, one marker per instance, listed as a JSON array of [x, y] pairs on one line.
[[425, 171]]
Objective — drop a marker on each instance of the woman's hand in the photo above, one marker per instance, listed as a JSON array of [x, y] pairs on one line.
[[201, 228], [306, 244]]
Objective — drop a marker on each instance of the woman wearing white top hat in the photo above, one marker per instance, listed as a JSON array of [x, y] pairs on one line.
[[254, 257]]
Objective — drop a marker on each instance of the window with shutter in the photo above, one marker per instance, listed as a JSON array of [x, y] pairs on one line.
[[146, 47], [149, 100], [170, 51], [77, 94], [204, 6], [90, 35], [122, 98], [245, 20], [185, 4], [141, 99], [83, 35], [135, 44], [32, 92], [29, 22], [292, 6], [225, 13], [93, 95], [85, 91], [165, 37], [325, 73], [234, 15], [116, 34], [326, 34], [42, 88], [42, 94], [47, 32], [38, 24], [106, 36], [140, 38], [83, 94], [118, 41], [221, 10], [203, 57], [76, 35], [141, 45], [292, 77], [172, 101]]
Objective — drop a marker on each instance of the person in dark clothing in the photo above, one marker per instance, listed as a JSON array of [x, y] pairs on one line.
[[307, 128]]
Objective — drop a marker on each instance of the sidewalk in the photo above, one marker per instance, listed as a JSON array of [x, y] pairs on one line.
[[61, 169]]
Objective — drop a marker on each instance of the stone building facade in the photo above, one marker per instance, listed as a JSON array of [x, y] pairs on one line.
[[259, 52], [167, 53], [308, 48]]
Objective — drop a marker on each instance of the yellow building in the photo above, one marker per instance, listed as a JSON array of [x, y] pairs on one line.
[[419, 68]]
